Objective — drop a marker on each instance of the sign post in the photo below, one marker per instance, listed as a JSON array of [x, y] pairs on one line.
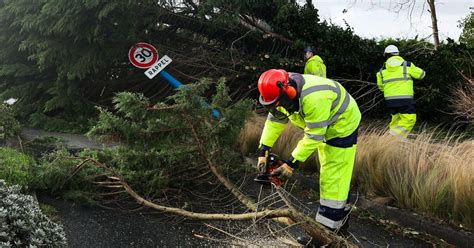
[[145, 56]]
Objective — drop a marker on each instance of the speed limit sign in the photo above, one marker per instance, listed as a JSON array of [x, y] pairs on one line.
[[143, 55]]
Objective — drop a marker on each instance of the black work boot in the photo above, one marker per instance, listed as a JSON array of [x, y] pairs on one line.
[[308, 242], [343, 230]]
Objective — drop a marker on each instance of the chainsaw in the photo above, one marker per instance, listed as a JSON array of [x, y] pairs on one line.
[[267, 177]]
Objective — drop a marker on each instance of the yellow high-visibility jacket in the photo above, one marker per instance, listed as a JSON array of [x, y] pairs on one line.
[[326, 111], [315, 66], [395, 78]]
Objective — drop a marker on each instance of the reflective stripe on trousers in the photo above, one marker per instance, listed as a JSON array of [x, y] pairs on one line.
[[399, 97], [328, 222], [402, 124], [332, 203]]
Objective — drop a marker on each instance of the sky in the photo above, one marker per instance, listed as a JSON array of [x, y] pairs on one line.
[[378, 18]]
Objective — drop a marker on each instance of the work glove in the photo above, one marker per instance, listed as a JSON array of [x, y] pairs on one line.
[[261, 165], [284, 172], [262, 159]]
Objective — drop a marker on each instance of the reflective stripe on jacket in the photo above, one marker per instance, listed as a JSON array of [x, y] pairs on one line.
[[315, 66], [395, 79], [326, 111]]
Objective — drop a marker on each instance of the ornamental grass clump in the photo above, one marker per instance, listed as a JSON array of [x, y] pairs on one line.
[[434, 175]]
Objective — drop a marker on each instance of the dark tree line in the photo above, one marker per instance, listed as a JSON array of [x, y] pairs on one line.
[[60, 58]]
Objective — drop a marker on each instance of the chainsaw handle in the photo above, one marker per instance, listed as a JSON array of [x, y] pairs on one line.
[[274, 174]]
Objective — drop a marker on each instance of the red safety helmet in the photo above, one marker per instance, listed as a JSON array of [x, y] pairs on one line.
[[272, 84]]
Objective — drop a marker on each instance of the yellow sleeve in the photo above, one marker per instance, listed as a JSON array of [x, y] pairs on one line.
[[416, 72], [379, 81], [272, 130]]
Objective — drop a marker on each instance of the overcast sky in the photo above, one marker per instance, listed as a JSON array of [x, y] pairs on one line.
[[377, 18]]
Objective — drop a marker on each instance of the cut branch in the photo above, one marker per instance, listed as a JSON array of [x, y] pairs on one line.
[[261, 28]]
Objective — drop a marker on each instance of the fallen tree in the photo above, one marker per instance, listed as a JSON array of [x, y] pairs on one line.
[[170, 143], [287, 215]]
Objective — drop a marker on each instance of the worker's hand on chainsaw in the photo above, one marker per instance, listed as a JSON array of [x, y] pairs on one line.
[[263, 158], [283, 172], [261, 164]]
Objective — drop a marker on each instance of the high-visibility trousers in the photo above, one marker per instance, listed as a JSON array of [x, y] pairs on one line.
[[403, 120], [337, 158]]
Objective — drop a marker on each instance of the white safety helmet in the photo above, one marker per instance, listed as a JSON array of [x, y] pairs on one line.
[[391, 49]]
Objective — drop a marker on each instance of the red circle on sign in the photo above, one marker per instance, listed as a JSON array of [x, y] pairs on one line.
[[143, 55]]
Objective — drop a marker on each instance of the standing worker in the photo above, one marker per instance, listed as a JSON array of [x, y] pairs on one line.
[[314, 64], [395, 80], [329, 117]]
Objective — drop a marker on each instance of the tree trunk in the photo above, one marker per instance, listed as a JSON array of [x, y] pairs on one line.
[[434, 23]]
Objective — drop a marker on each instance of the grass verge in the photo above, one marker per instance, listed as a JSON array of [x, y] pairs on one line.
[[15, 167]]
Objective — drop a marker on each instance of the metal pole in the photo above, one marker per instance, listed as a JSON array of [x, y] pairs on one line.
[[170, 79], [176, 84]]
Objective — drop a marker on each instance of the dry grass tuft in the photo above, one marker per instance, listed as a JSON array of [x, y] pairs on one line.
[[434, 177], [429, 174], [463, 99]]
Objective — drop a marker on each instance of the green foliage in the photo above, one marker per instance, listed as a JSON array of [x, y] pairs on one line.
[[22, 224], [52, 171], [58, 123], [50, 50], [50, 212], [9, 125], [155, 144], [61, 58], [467, 35], [156, 149], [15, 167]]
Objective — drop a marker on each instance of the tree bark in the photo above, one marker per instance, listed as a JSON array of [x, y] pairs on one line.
[[434, 23]]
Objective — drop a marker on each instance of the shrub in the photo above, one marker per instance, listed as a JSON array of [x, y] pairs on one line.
[[157, 150], [15, 167], [52, 171], [8, 123], [156, 146], [22, 224]]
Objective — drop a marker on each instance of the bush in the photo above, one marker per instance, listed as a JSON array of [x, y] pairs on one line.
[[157, 150], [22, 224], [52, 171], [15, 167], [8, 123]]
